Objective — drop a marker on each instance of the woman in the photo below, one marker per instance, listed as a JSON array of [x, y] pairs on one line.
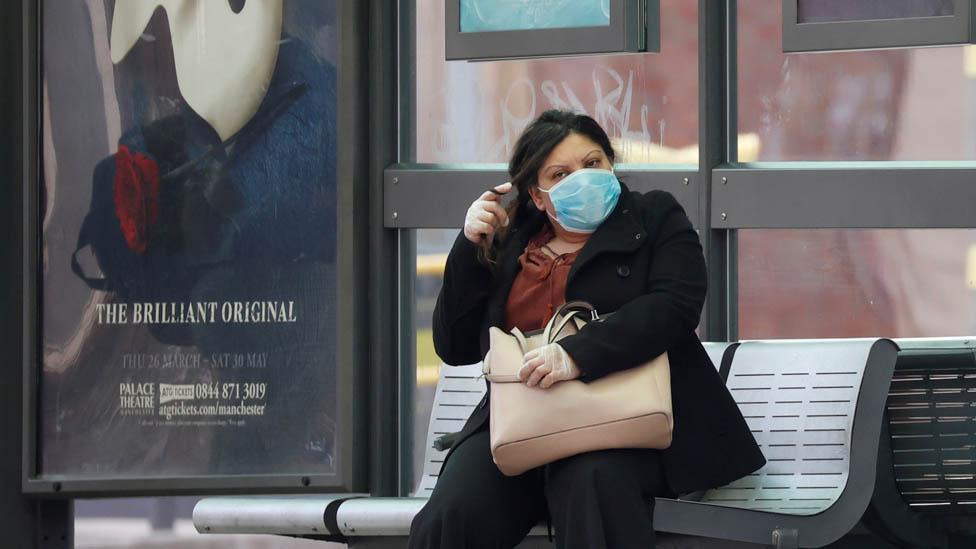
[[574, 232]]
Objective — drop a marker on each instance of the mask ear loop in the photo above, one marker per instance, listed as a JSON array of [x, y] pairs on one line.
[[552, 217], [546, 210]]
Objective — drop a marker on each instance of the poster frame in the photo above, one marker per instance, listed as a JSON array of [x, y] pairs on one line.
[[350, 475], [907, 32], [634, 27]]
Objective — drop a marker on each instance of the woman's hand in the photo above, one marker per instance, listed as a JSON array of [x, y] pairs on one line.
[[547, 365], [486, 215]]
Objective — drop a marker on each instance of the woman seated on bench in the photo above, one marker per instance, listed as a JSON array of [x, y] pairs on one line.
[[634, 254]]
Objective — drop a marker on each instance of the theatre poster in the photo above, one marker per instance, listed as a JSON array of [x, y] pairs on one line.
[[187, 227]]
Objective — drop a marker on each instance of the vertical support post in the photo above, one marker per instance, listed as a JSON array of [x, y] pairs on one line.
[[408, 358], [14, 511], [407, 80], [717, 146], [383, 252], [25, 523], [354, 195], [406, 117]]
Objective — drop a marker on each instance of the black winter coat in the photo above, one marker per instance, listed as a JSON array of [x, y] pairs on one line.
[[644, 264]]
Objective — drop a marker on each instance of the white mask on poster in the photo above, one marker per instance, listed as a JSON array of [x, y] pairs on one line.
[[224, 60]]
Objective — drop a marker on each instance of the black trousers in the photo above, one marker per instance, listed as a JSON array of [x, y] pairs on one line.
[[600, 499]]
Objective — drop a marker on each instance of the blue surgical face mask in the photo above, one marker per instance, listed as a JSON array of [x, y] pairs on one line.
[[584, 199]]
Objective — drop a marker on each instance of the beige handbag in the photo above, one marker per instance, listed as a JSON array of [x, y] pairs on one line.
[[531, 426]]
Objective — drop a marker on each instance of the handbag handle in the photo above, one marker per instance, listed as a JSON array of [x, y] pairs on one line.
[[565, 314], [553, 330], [520, 337], [577, 305]]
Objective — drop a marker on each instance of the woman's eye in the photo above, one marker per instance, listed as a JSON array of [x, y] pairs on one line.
[[593, 162], [559, 175]]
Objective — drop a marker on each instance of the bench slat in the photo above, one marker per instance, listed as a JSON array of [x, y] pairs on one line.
[[931, 412], [926, 427], [955, 381], [932, 441], [787, 406]]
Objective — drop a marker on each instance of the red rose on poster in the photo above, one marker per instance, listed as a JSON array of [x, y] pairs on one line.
[[136, 193]]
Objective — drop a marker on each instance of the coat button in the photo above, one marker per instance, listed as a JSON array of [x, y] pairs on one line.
[[623, 271], [637, 236]]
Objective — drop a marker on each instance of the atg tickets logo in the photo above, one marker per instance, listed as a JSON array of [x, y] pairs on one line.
[[169, 393]]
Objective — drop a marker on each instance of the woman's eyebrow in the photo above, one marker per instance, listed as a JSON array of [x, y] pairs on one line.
[[551, 166]]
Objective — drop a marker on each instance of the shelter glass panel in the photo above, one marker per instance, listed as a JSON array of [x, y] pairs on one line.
[[433, 246], [856, 283], [882, 105], [471, 112]]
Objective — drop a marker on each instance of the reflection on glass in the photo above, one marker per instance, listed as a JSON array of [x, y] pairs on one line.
[[911, 104], [505, 15], [825, 11], [857, 283], [474, 112]]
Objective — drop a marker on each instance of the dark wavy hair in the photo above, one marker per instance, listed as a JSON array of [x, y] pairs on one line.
[[531, 151]]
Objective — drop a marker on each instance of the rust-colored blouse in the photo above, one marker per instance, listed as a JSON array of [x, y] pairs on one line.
[[540, 287]]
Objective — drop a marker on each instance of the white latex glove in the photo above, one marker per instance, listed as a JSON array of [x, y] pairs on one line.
[[486, 215], [547, 365]]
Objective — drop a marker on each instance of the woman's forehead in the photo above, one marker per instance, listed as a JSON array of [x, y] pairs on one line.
[[571, 150]]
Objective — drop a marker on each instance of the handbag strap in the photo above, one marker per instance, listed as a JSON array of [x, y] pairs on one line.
[[565, 314], [577, 305], [553, 330], [520, 337]]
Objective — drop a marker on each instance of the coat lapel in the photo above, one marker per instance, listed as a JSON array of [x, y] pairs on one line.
[[620, 232]]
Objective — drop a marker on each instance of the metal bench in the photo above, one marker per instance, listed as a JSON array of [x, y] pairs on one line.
[[807, 402], [816, 407], [925, 493]]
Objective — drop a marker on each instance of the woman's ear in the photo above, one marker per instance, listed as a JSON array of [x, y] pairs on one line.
[[537, 198]]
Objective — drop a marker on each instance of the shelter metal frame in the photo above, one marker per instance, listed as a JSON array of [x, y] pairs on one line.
[[904, 32]]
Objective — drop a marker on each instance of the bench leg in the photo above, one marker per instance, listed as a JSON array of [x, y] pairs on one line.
[[786, 538]]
